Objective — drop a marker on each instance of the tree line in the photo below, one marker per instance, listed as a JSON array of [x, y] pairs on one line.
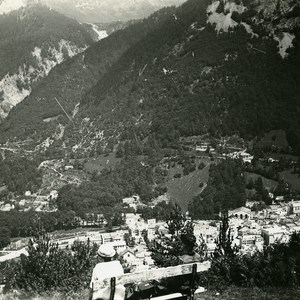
[[225, 190]]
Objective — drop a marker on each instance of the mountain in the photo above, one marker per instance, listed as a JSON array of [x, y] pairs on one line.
[[103, 11], [40, 114], [212, 67], [215, 67], [33, 40], [99, 31], [7, 6]]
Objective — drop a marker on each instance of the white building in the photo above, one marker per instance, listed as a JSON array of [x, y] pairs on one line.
[[151, 234], [250, 238], [7, 207], [204, 231], [119, 246], [295, 207], [274, 234], [246, 157], [132, 202], [53, 195], [128, 256], [27, 193], [241, 213], [151, 223], [131, 220], [69, 167], [110, 237], [202, 147]]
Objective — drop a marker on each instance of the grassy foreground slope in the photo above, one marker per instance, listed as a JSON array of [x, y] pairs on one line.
[[232, 293]]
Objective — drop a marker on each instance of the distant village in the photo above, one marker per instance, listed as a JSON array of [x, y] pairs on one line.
[[250, 229], [250, 232], [45, 202]]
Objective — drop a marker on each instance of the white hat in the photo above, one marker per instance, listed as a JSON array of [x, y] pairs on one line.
[[106, 250]]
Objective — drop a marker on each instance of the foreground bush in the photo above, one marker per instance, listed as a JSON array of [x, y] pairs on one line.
[[48, 268], [277, 266]]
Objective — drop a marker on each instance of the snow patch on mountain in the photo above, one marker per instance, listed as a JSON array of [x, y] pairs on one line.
[[195, 27], [10, 93], [101, 34], [285, 40], [55, 56], [45, 144], [59, 133], [51, 119], [15, 88], [10, 5], [221, 20], [249, 29], [76, 110]]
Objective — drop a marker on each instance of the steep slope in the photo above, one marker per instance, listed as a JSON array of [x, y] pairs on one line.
[[216, 67], [95, 11], [33, 39], [41, 116], [209, 67]]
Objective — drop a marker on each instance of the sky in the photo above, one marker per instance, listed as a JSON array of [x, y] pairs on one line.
[[93, 11], [108, 10]]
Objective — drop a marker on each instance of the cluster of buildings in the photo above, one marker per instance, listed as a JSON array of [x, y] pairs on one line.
[[234, 153], [242, 154], [133, 202], [31, 201], [251, 231], [135, 253]]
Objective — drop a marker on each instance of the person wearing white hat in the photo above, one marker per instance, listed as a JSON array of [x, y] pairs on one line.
[[106, 269]]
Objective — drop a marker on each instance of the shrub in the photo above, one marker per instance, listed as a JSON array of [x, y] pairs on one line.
[[47, 267]]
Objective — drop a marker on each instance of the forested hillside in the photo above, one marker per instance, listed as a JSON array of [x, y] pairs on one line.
[[69, 82], [33, 40], [178, 74], [192, 76], [197, 105], [206, 68]]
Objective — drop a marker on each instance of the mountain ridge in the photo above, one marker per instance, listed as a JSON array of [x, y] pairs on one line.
[[108, 11], [38, 39], [252, 46], [191, 76], [94, 62]]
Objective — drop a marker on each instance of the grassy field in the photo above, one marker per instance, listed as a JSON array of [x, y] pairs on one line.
[[268, 183], [276, 138], [101, 162], [182, 190], [292, 179]]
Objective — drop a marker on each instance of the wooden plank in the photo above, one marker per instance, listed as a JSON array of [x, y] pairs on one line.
[[170, 296], [154, 274]]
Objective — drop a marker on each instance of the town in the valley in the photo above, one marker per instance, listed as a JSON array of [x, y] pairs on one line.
[[251, 227]]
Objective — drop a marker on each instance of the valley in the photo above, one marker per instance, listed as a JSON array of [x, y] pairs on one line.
[[119, 120]]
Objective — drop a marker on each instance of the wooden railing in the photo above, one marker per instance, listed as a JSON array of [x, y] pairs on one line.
[[152, 274]]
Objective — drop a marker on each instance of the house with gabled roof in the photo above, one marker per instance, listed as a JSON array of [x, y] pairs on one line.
[[128, 256]]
